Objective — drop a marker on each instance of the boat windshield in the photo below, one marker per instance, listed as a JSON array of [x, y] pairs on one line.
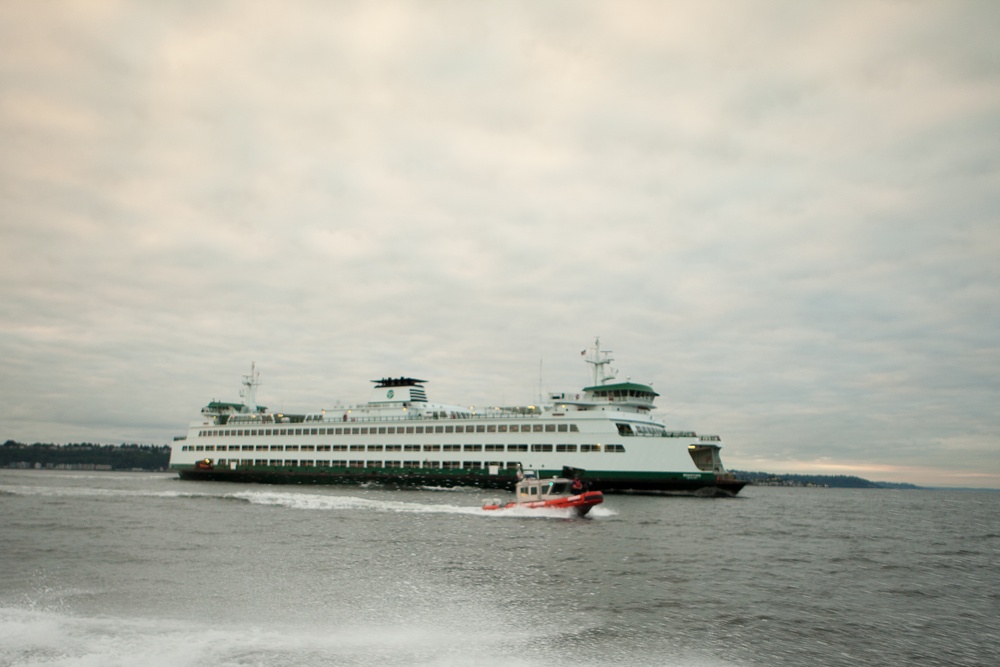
[[558, 487]]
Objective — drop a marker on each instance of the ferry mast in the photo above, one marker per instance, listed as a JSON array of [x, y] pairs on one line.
[[599, 359], [249, 391]]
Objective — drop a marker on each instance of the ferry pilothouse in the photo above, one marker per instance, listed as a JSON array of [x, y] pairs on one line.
[[604, 432]]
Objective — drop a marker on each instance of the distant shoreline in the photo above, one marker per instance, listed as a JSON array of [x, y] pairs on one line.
[[156, 458]]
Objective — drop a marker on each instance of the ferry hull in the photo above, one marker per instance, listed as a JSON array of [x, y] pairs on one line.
[[609, 483]]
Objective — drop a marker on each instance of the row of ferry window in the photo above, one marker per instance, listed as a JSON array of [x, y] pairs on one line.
[[403, 448], [390, 430], [342, 463]]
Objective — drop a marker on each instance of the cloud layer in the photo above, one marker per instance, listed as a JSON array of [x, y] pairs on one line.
[[783, 214]]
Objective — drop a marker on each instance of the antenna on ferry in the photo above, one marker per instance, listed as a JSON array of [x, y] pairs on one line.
[[599, 360], [249, 391]]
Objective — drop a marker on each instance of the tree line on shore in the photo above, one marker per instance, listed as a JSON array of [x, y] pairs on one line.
[[832, 481], [107, 457]]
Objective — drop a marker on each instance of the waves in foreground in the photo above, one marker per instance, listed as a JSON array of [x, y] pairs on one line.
[[132, 569]]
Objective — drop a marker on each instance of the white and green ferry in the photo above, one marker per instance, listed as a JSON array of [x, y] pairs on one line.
[[605, 431]]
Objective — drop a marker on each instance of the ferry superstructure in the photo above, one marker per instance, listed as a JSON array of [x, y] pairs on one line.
[[400, 437]]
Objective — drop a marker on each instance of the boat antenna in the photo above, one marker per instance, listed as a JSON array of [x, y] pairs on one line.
[[599, 359], [539, 381], [249, 391]]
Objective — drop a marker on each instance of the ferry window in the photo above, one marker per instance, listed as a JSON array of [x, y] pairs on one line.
[[298, 431], [374, 448], [321, 448], [357, 448], [494, 448], [313, 431], [517, 448], [275, 462], [411, 464], [354, 430], [431, 464], [565, 448], [480, 428], [512, 465], [619, 449], [381, 430], [306, 448], [541, 448], [420, 429], [411, 448], [339, 463], [374, 464], [409, 429], [470, 465], [491, 428], [292, 448], [514, 428], [503, 428], [357, 464], [453, 448], [364, 430], [393, 464], [291, 462], [340, 448], [261, 448], [449, 429], [562, 428], [234, 448], [573, 428], [536, 428], [393, 448], [550, 428], [432, 448], [247, 448], [438, 429], [473, 448]]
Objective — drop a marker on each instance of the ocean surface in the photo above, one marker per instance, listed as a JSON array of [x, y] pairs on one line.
[[106, 569]]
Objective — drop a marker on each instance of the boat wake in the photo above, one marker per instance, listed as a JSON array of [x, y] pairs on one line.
[[298, 501], [91, 492], [309, 501], [29, 638]]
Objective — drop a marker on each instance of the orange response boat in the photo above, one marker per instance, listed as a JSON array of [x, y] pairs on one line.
[[554, 493]]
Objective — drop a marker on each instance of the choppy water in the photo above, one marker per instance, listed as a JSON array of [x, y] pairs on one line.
[[105, 569]]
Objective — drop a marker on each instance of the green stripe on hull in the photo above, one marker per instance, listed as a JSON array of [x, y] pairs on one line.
[[609, 481]]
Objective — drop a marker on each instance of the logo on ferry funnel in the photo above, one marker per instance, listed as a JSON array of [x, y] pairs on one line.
[[390, 393]]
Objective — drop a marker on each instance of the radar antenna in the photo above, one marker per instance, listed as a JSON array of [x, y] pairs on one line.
[[600, 359], [249, 391]]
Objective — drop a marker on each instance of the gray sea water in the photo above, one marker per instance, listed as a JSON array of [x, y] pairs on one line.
[[104, 569]]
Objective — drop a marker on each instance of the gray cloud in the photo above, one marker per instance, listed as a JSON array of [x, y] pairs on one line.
[[782, 214]]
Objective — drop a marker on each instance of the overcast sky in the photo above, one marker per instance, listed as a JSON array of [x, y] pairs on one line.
[[783, 215]]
